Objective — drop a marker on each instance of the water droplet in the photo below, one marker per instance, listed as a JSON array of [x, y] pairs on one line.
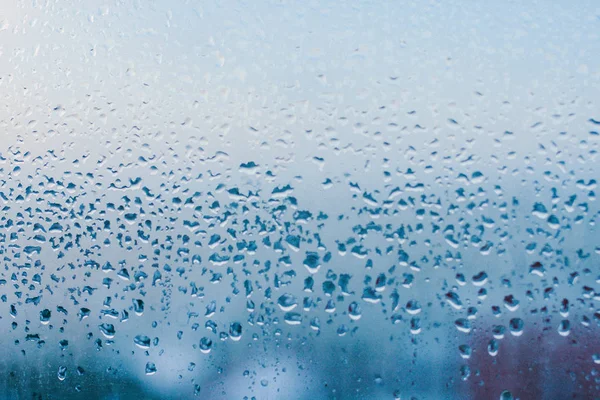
[[287, 302], [62, 373], [150, 368], [516, 326], [506, 395], [205, 345], [235, 331]]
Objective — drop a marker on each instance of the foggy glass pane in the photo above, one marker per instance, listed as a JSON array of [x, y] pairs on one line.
[[299, 200]]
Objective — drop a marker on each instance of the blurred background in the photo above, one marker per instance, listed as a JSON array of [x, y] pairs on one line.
[[284, 200]]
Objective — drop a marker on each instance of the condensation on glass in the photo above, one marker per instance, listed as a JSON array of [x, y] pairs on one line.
[[299, 200]]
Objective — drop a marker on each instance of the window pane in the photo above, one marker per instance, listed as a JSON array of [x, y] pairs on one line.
[[273, 199]]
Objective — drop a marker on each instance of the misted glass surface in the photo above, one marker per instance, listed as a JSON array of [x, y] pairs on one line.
[[299, 200]]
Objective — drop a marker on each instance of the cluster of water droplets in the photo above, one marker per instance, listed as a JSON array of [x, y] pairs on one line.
[[230, 209]]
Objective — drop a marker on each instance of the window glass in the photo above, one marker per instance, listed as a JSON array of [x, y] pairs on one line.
[[299, 200]]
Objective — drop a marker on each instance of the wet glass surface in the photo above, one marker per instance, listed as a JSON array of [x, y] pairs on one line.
[[299, 200]]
